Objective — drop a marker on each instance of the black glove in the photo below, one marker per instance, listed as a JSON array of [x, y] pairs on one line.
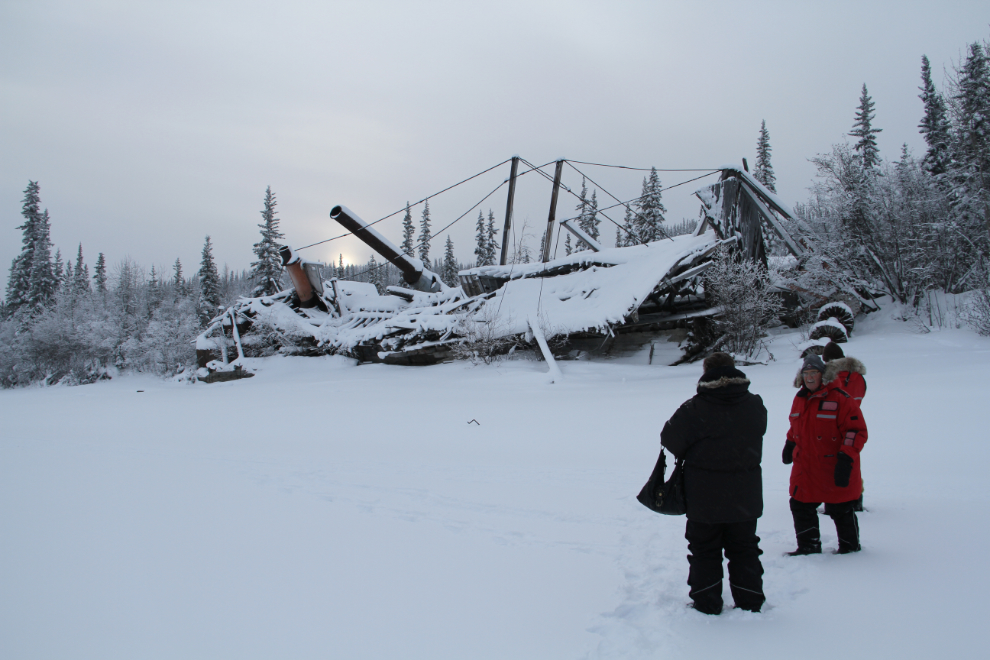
[[843, 468], [788, 455]]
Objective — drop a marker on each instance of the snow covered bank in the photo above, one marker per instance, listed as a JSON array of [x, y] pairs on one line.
[[326, 510]]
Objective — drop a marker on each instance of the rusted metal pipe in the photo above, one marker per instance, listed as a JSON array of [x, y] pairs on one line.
[[300, 282]]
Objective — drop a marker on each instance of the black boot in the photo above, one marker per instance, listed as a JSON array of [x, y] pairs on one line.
[[806, 549], [846, 526], [809, 539]]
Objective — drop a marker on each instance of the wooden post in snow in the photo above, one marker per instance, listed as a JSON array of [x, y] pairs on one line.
[[548, 239], [508, 210]]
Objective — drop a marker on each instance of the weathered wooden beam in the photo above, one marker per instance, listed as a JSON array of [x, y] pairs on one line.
[[548, 239], [508, 210], [778, 229]]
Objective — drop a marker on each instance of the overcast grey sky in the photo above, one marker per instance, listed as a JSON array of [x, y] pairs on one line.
[[152, 124]]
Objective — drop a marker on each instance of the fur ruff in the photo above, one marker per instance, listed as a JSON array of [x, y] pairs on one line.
[[722, 382], [833, 369]]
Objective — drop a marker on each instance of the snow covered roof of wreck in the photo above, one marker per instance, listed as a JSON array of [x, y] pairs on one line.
[[613, 284]]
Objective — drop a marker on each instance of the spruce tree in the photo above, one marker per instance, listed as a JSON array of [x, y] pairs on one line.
[[492, 244], [408, 231], [209, 285], [100, 273], [651, 209], [934, 125], [265, 271], [375, 274], [425, 236], [568, 249], [43, 277], [180, 282], [763, 171], [340, 268], [19, 281], [80, 273], [154, 290], [481, 242], [589, 220], [448, 274], [627, 234], [972, 169], [582, 209], [869, 154], [58, 270]]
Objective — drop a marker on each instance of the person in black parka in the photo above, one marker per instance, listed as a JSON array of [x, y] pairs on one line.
[[719, 434]]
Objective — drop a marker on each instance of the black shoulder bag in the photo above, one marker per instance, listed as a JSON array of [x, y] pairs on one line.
[[665, 497]]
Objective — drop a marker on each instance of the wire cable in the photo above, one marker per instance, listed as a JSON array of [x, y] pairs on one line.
[[638, 169], [409, 206], [448, 226]]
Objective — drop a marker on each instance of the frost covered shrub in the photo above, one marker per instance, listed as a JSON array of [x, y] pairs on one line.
[[484, 341], [168, 342], [748, 308], [978, 311]]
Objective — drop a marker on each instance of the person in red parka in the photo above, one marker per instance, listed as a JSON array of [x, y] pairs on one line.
[[824, 442], [849, 372]]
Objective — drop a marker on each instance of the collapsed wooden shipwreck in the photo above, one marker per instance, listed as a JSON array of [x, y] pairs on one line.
[[599, 300]]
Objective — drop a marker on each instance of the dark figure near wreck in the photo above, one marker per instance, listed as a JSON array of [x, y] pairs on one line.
[[719, 434]]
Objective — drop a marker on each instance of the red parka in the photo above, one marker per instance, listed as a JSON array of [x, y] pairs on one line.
[[824, 423]]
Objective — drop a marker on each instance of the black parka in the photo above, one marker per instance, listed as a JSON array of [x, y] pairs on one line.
[[719, 434]]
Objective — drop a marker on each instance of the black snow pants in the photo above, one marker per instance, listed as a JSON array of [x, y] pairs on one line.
[[806, 524], [742, 548]]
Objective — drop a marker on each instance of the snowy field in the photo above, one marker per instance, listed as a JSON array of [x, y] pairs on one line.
[[325, 510]]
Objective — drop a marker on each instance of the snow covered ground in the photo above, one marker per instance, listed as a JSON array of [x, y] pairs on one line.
[[324, 510]]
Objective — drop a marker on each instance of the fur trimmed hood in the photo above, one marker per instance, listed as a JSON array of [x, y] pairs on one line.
[[722, 377], [834, 368], [722, 382]]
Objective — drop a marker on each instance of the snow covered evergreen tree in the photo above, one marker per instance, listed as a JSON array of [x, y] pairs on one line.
[[209, 285], [869, 154], [425, 235], [763, 171], [154, 290], [375, 274], [100, 273], [19, 282], [481, 241], [971, 169], [492, 245], [626, 234], [44, 280], [449, 271], [568, 249], [179, 280], [934, 125], [80, 273], [589, 220], [266, 270], [582, 217], [408, 231], [651, 210], [58, 271]]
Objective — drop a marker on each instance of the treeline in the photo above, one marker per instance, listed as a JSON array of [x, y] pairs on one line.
[[910, 225], [59, 323]]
